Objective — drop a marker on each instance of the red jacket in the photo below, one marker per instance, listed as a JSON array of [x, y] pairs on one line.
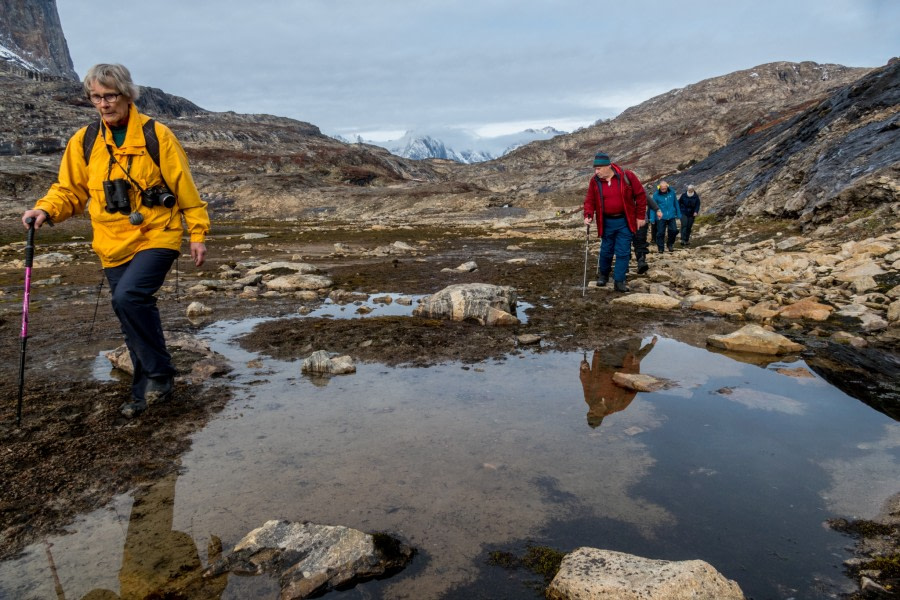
[[634, 195]]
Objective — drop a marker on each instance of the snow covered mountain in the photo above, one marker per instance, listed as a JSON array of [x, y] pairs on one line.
[[456, 144]]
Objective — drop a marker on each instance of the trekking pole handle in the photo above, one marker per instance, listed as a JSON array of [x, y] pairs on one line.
[[29, 243]]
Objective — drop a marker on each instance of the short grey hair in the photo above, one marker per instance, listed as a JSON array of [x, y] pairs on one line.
[[116, 77]]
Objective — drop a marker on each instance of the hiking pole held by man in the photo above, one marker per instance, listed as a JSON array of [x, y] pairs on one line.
[[587, 238], [29, 259]]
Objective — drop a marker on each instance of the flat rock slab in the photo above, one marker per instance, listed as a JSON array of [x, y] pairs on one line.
[[312, 559], [756, 340], [594, 574], [638, 382], [649, 300]]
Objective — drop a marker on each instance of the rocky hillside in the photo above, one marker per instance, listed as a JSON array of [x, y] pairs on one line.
[[259, 164], [795, 141], [840, 156], [32, 35], [792, 140], [669, 132]]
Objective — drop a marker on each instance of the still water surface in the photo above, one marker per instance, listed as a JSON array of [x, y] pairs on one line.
[[735, 464]]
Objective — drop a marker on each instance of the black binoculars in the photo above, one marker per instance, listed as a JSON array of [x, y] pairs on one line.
[[116, 192], [158, 196]]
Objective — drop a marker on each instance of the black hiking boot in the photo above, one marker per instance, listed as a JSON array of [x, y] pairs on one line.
[[642, 266], [132, 409], [602, 279], [671, 248], [159, 390], [621, 286]]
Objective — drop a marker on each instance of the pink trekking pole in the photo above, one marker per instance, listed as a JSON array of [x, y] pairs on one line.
[[29, 259]]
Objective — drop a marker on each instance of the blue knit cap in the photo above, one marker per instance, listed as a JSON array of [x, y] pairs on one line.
[[601, 159]]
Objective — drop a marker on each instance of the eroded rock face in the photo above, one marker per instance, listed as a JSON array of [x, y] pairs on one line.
[[481, 302], [591, 573], [312, 559], [32, 29]]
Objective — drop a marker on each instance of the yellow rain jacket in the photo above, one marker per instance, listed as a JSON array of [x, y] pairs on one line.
[[116, 240]]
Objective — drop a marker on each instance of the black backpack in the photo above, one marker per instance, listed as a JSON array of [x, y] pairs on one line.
[[150, 139]]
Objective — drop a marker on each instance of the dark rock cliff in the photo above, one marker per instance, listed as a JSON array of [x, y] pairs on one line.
[[838, 156], [32, 30]]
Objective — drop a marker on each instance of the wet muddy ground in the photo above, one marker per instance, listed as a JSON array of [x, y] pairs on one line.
[[74, 452]]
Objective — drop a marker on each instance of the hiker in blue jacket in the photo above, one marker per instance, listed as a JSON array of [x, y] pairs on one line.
[[689, 204], [640, 244], [667, 231]]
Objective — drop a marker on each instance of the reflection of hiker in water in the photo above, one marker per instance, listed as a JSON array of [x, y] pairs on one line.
[[604, 397], [158, 562]]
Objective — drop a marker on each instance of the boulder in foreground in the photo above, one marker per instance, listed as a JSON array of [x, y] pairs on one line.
[[755, 339], [594, 574], [311, 559], [481, 302]]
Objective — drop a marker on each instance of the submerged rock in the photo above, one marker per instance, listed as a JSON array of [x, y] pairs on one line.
[[594, 573], [312, 559], [638, 382]]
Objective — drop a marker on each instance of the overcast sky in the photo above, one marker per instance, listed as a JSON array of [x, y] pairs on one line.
[[379, 68]]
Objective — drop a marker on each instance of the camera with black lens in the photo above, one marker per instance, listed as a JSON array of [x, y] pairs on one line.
[[158, 196], [116, 193]]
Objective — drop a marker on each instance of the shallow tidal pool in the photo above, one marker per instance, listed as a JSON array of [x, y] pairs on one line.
[[733, 463]]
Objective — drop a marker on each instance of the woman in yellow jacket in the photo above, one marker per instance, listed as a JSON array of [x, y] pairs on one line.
[[136, 209]]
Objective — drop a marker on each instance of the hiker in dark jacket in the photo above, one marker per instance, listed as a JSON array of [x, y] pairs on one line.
[[689, 204], [641, 246], [667, 200], [617, 198]]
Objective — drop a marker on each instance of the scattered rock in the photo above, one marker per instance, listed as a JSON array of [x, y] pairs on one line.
[[807, 308], [755, 339], [638, 382], [280, 266], [320, 363], [345, 297], [649, 300], [197, 309], [591, 573], [187, 352], [798, 372], [843, 337], [721, 307], [528, 339], [298, 281], [481, 302], [310, 559]]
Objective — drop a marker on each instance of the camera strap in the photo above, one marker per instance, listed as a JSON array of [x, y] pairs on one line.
[[127, 171]]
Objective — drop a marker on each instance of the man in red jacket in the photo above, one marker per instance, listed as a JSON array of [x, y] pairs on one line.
[[618, 199]]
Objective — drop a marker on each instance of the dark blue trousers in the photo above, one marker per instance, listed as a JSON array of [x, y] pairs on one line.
[[133, 286], [687, 223], [667, 228], [616, 241]]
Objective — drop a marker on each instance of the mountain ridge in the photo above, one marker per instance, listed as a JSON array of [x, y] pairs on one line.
[[713, 133]]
